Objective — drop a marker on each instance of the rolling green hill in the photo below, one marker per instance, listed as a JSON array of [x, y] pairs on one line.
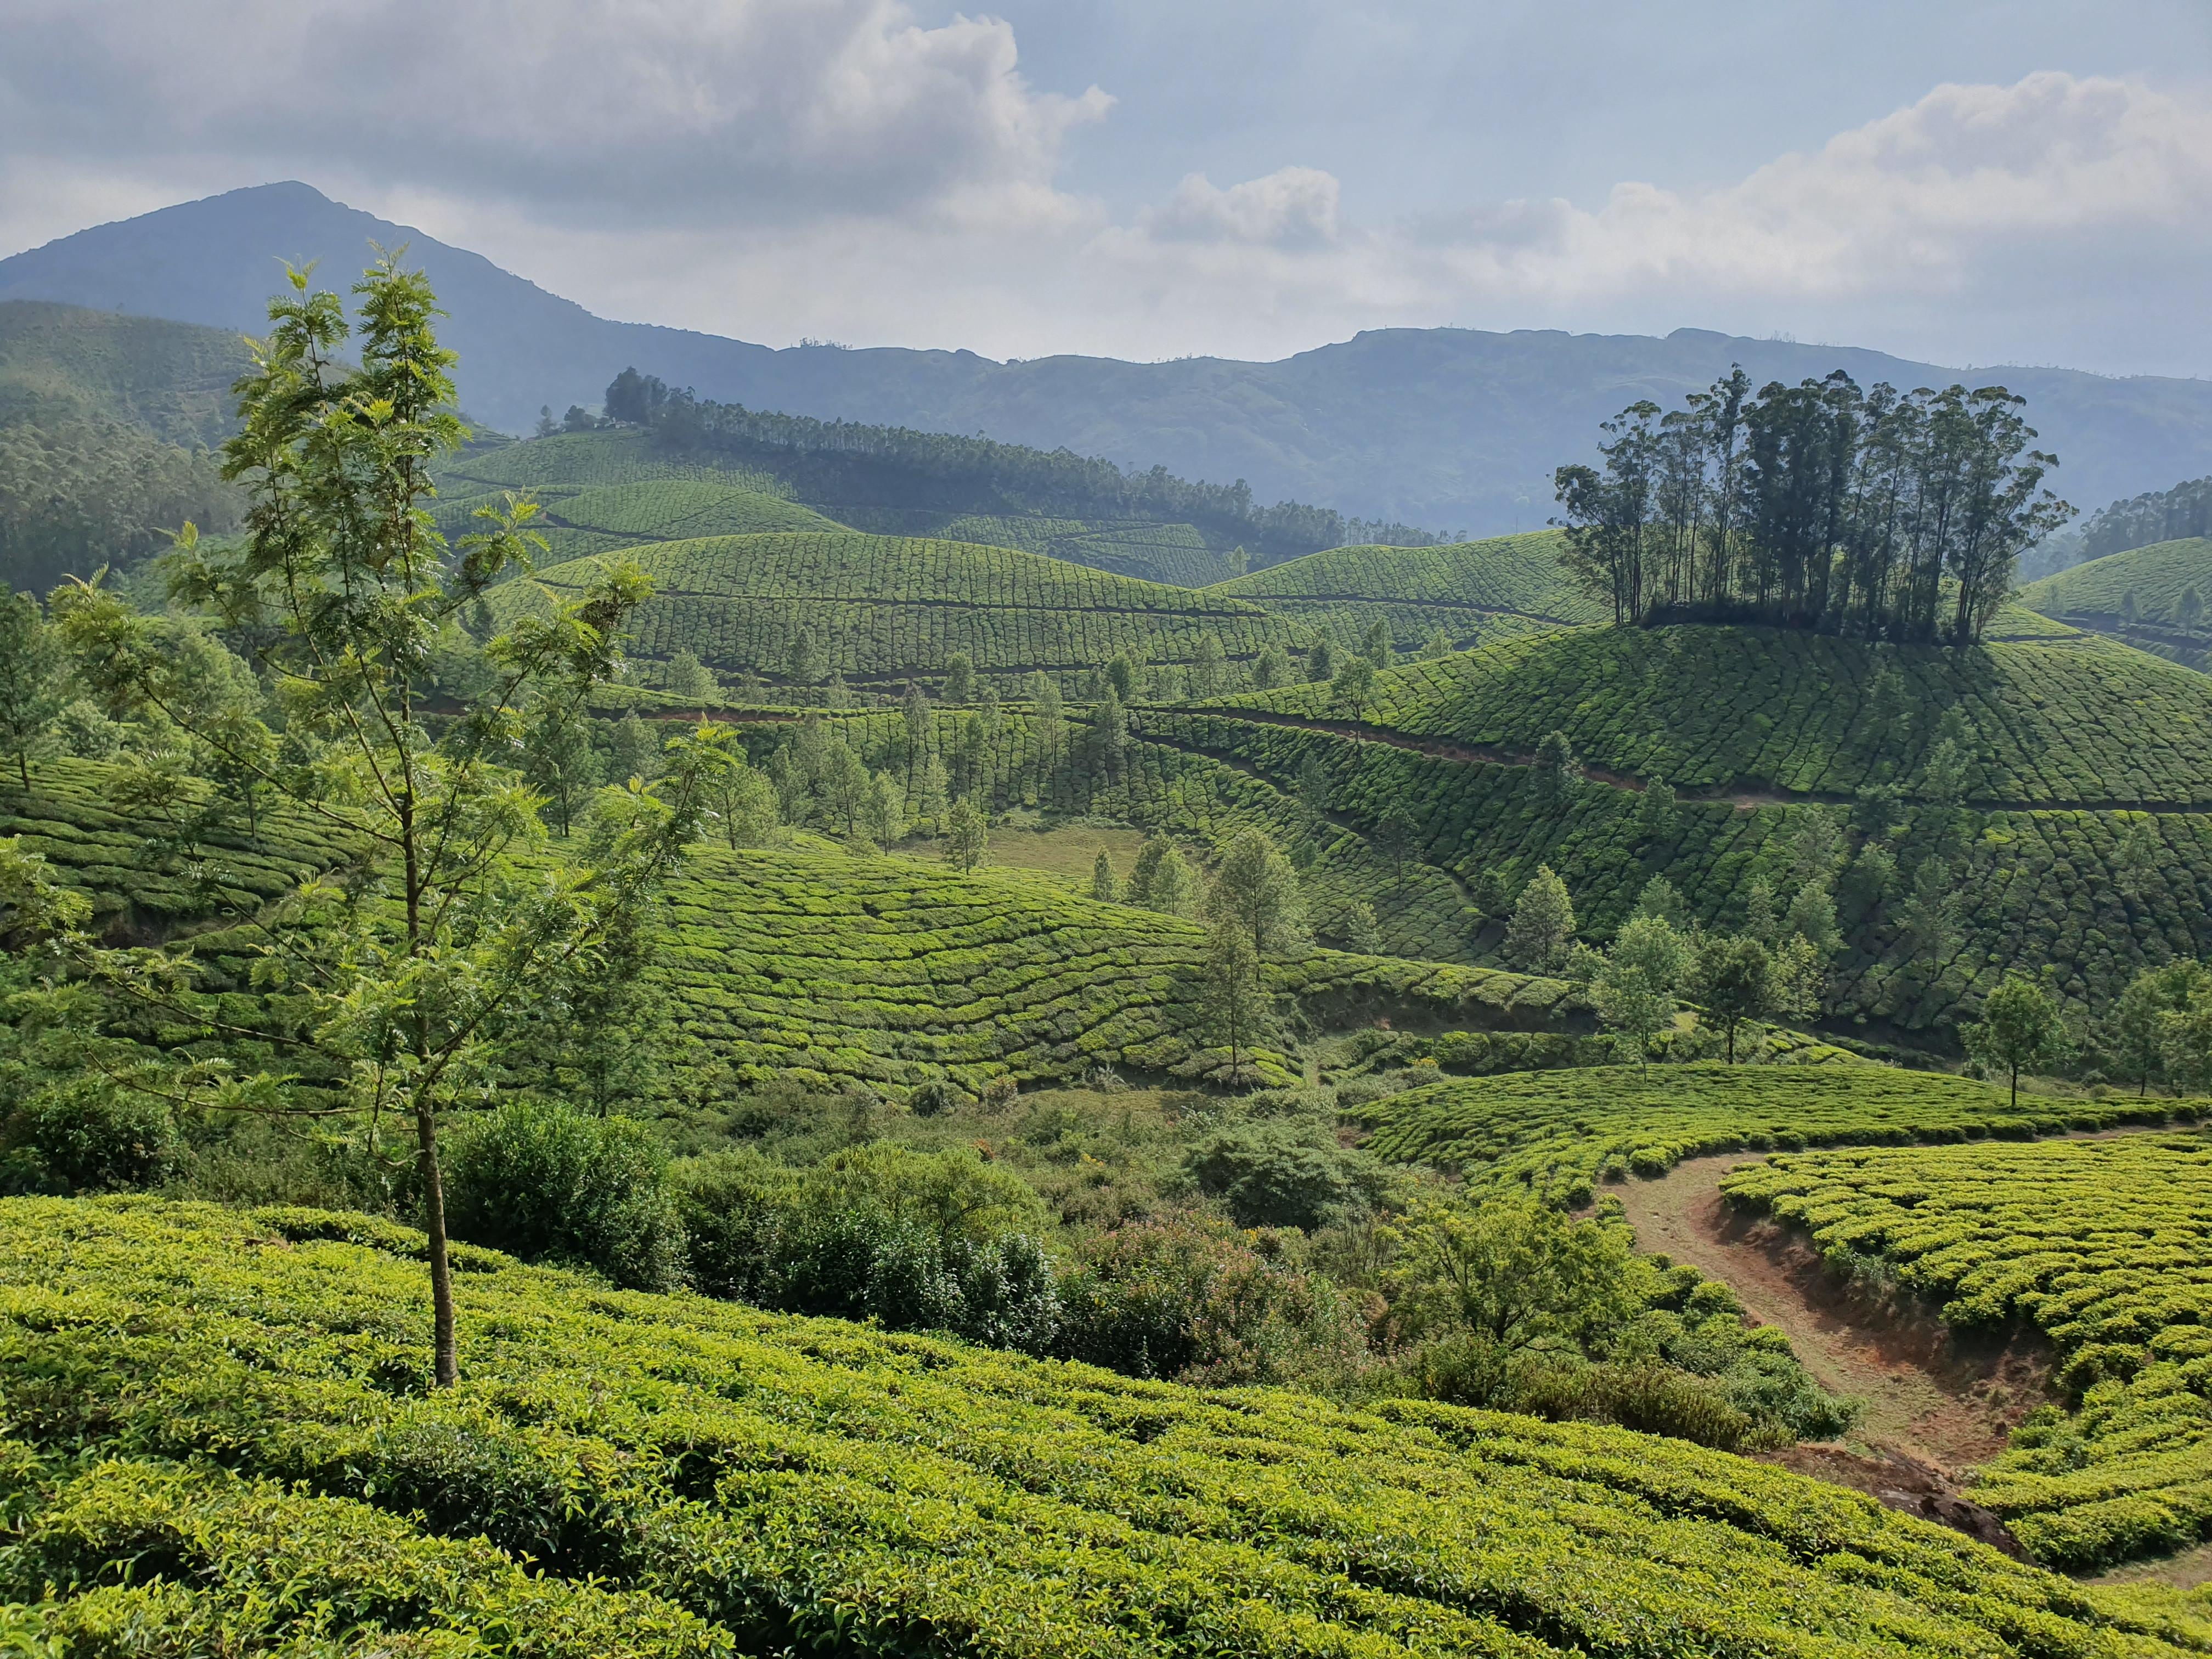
[[884, 608], [229, 1402], [62, 362], [2139, 595], [818, 966], [2103, 1245], [1473, 592], [2080, 839]]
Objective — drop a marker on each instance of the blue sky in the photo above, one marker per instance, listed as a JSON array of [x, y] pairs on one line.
[[1963, 183]]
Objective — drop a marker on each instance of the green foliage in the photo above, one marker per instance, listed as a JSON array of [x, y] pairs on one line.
[[1542, 931], [1275, 1173], [2145, 584], [2101, 1244], [544, 1182], [2021, 1030], [32, 688], [1634, 990], [1562, 1131]]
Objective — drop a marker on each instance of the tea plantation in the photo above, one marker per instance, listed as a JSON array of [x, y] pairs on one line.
[[2106, 1246], [1473, 592], [887, 607], [2154, 578], [1562, 1132], [218, 1442], [2077, 721]]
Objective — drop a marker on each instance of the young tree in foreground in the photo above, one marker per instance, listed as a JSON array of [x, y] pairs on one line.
[[2135, 1031], [1733, 979], [1103, 887], [2020, 1029], [419, 964], [1237, 1005]]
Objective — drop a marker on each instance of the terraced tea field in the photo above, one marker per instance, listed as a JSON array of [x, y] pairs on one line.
[[2154, 578], [2076, 721], [1565, 1132], [227, 1394], [2106, 1246], [884, 608], [1473, 592]]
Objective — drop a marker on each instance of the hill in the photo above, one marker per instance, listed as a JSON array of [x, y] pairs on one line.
[[2140, 595], [2066, 824], [2100, 1244], [1471, 592], [239, 1422], [816, 968], [62, 362], [884, 608], [1442, 426]]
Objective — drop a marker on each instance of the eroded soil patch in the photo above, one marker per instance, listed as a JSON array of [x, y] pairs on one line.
[[1937, 1402]]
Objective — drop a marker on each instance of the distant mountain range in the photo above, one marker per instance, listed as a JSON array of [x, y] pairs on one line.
[[1452, 429]]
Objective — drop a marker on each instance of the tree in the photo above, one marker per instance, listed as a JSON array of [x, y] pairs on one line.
[[1312, 789], [1121, 675], [2136, 858], [2190, 613], [1732, 979], [433, 949], [2021, 1027], [929, 795], [919, 724], [1557, 771], [1353, 684], [1634, 990], [689, 678], [1375, 644], [1162, 880], [2185, 1040], [1396, 835], [843, 785], [732, 792], [2134, 1032], [633, 751], [1511, 1272], [558, 760], [1654, 810], [1866, 882], [1542, 931], [1109, 732], [1660, 898], [1208, 668], [883, 819], [1934, 914], [1759, 920], [1439, 646], [966, 836], [959, 679], [1236, 1004], [1103, 887], [806, 662], [32, 688], [1320, 661], [1817, 848], [1254, 887], [1270, 669], [1354, 926]]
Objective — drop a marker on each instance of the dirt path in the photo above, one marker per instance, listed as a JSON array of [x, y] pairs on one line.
[[1936, 1402]]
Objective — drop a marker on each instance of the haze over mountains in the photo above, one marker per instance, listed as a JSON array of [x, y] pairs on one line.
[[1452, 429]]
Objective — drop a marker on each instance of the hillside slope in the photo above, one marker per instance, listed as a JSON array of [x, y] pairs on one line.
[[1471, 592], [2137, 595], [1440, 427], [885, 607], [685, 1477], [60, 361], [2081, 837]]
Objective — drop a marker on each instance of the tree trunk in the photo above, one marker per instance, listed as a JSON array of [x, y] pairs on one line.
[[2015, 1088], [442, 1272]]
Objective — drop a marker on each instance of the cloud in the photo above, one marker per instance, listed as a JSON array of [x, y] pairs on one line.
[[1975, 218], [664, 112], [1292, 207]]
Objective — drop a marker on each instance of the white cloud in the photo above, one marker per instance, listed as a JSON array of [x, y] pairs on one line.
[[1291, 208], [656, 111]]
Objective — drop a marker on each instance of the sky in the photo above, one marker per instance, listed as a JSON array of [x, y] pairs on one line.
[[1967, 184]]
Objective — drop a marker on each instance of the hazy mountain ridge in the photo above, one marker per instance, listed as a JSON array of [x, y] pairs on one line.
[[1454, 429]]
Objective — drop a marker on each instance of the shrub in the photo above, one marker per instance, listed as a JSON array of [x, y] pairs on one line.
[[1268, 1177], [541, 1181], [86, 1138]]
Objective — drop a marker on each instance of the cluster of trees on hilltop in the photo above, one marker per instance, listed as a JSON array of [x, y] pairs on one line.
[[848, 462], [2166, 515], [1874, 512]]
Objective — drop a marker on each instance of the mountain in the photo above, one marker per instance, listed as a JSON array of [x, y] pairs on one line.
[[1448, 428]]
